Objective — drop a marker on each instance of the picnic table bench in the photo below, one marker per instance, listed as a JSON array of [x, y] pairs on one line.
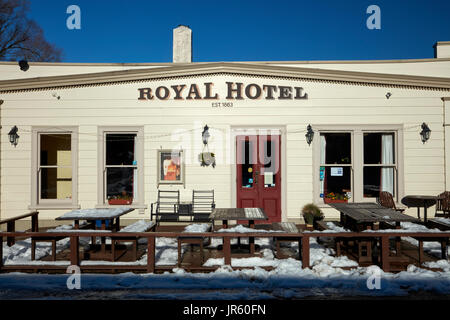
[[53, 240], [288, 227], [139, 226]]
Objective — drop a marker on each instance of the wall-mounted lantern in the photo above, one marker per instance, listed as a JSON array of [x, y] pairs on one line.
[[205, 134], [309, 134], [13, 136], [425, 133]]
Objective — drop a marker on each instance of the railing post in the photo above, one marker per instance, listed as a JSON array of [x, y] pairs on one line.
[[11, 227], [150, 254], [227, 250], [305, 252], [35, 222], [74, 251], [385, 265]]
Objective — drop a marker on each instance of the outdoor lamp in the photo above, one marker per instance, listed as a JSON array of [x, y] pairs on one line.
[[13, 136], [205, 135], [309, 134], [425, 133]]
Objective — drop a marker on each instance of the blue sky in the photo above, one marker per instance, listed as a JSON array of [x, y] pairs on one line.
[[244, 30]]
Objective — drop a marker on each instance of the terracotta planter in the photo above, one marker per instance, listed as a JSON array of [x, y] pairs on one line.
[[120, 201], [309, 227]]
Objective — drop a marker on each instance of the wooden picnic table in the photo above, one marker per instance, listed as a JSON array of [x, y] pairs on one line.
[[104, 214], [367, 216], [359, 216], [247, 214]]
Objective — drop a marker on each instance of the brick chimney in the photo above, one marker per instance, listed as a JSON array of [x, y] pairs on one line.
[[182, 44]]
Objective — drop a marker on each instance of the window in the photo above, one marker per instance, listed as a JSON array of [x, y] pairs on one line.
[[335, 165], [54, 178], [379, 164], [121, 166], [355, 163]]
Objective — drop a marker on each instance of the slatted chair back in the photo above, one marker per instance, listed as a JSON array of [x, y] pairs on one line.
[[443, 204], [202, 204], [387, 200], [168, 202]]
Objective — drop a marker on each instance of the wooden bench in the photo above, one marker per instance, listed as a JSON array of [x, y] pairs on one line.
[[339, 241], [191, 239], [139, 226], [53, 240], [288, 227]]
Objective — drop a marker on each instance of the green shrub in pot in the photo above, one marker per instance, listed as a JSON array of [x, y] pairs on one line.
[[311, 213]]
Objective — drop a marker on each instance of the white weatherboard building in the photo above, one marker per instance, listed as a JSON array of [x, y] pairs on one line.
[[94, 135]]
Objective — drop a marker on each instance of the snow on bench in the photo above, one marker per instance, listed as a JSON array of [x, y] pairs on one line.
[[139, 226]]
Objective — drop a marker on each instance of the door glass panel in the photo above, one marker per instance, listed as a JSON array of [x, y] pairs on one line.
[[270, 164], [247, 164]]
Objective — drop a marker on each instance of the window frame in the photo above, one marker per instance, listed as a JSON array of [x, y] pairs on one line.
[[357, 153], [102, 201], [393, 165], [36, 201]]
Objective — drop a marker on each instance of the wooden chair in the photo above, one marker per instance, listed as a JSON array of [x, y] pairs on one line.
[[386, 200], [443, 205], [167, 206], [202, 205]]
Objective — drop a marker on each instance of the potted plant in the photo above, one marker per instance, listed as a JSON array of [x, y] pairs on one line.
[[311, 213], [206, 159], [122, 199], [335, 198]]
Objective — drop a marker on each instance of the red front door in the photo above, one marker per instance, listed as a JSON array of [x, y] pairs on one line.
[[258, 174]]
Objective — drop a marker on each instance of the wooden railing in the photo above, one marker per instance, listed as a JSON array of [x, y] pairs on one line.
[[303, 239], [11, 224]]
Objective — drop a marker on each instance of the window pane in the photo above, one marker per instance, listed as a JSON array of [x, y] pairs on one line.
[[247, 164], [119, 182], [55, 150], [337, 180], [337, 148], [56, 183], [378, 179], [270, 164], [379, 148], [120, 149]]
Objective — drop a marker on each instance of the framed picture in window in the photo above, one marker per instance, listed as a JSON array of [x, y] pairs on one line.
[[170, 166]]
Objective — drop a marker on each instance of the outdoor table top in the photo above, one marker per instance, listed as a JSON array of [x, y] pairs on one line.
[[95, 214], [238, 214], [419, 200], [371, 212]]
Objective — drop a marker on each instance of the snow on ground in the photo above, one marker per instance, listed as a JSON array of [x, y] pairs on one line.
[[287, 279]]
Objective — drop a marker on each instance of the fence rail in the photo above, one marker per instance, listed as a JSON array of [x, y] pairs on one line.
[[302, 237]]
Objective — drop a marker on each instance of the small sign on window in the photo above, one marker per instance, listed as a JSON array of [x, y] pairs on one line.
[[337, 171]]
